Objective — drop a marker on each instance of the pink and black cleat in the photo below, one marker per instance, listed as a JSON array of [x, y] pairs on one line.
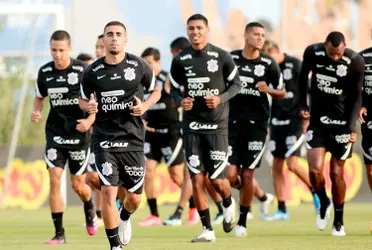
[[92, 225], [57, 240]]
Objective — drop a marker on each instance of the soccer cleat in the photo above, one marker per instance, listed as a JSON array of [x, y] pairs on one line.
[[218, 219], [240, 231], [152, 220], [205, 236], [338, 230], [125, 231], [322, 216], [172, 221], [264, 207], [278, 215], [56, 240], [91, 223], [250, 216], [193, 216], [316, 202], [229, 215]]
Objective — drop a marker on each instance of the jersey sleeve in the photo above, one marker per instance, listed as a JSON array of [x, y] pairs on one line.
[[303, 78], [353, 101], [175, 76], [41, 90], [86, 85], [275, 76], [148, 78], [231, 76]]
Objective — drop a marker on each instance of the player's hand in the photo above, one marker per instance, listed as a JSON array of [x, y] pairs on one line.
[[35, 116], [305, 125], [212, 101], [147, 128], [353, 137], [83, 125], [262, 87], [187, 103], [362, 112], [305, 114], [140, 107], [92, 105]]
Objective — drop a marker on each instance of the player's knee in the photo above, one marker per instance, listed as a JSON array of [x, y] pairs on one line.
[[218, 184], [55, 183], [336, 173], [247, 174], [231, 177], [315, 172], [369, 169], [77, 185], [134, 199]]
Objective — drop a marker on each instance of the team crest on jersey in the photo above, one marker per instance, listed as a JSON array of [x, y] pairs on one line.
[[194, 161], [129, 74], [212, 65], [107, 168], [72, 78], [287, 74], [341, 70], [52, 154], [259, 70]]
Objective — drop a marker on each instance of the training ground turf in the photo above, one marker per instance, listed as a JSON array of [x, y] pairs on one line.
[[30, 229]]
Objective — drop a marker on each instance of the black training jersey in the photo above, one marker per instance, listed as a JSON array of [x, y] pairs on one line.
[[367, 87], [163, 116], [114, 87], [336, 87], [289, 107], [200, 73], [63, 88], [250, 104]]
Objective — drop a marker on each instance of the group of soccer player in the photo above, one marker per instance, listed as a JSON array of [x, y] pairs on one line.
[[211, 113]]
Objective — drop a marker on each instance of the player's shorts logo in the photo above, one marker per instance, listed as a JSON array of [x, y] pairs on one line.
[[194, 161], [52, 154], [217, 155], [272, 146], [287, 74], [342, 139], [107, 168], [309, 135]]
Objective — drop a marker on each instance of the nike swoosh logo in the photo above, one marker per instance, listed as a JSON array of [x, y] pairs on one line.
[[190, 67], [319, 66], [217, 165], [113, 236], [100, 77], [50, 78]]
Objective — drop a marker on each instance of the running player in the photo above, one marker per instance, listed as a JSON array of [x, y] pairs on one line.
[[249, 113], [287, 130], [117, 81], [209, 78], [66, 131], [335, 97]]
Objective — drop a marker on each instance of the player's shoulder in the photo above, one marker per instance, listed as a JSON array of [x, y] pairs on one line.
[[78, 65], [136, 61], [316, 49], [351, 56], [214, 51], [366, 53], [96, 66], [236, 54], [266, 59], [48, 67], [163, 75], [185, 54]]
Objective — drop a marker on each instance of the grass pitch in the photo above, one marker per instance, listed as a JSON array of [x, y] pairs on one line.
[[30, 229]]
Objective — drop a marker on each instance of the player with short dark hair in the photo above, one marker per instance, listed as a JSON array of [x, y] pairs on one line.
[[112, 91], [66, 133], [208, 78], [287, 130], [335, 98], [249, 113], [85, 58]]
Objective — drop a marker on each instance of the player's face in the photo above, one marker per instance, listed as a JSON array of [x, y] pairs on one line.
[[335, 53], [100, 48], [115, 39], [155, 65], [60, 51], [255, 37], [197, 31]]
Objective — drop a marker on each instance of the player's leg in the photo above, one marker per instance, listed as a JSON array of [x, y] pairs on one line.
[[132, 173], [315, 157], [108, 172], [194, 155], [56, 160], [367, 152], [216, 152], [265, 199], [153, 157], [250, 150], [216, 197], [77, 162]]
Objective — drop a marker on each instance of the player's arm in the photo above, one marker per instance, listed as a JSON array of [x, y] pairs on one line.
[[276, 88], [363, 109], [87, 102], [231, 76], [353, 101], [303, 80], [40, 95], [176, 81]]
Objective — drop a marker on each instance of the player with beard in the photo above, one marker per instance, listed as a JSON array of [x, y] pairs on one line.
[[113, 88], [287, 130], [249, 113], [66, 131], [208, 78], [335, 97]]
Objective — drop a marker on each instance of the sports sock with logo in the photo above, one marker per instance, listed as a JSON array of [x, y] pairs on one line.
[[205, 219], [178, 213], [339, 214], [57, 220], [113, 237], [124, 215], [219, 207], [88, 205], [153, 207], [324, 200], [227, 201], [243, 216]]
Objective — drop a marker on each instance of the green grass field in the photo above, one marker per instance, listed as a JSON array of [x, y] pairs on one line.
[[30, 229]]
